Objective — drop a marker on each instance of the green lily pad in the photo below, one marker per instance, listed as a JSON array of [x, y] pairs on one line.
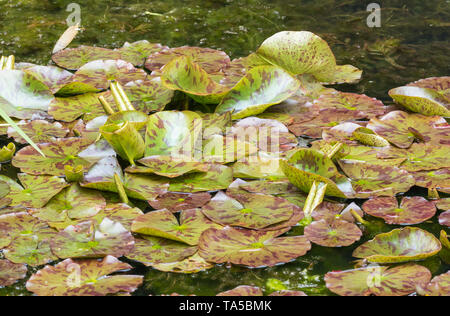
[[176, 202], [34, 250], [164, 224], [69, 109], [261, 88], [377, 180], [35, 191], [75, 58], [58, 154], [333, 233], [439, 179], [251, 248], [378, 281], [84, 278], [261, 166], [16, 225], [10, 272], [402, 129], [243, 290], [23, 96], [155, 250], [137, 52], [208, 59], [100, 73], [345, 74], [443, 204], [254, 211], [53, 77], [39, 131], [439, 286], [308, 165], [77, 202], [400, 245], [228, 149], [411, 211], [215, 124], [88, 241], [364, 154], [193, 264], [421, 100]]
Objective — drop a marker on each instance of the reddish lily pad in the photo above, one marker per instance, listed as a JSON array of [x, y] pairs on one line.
[[444, 219], [443, 204], [411, 211], [243, 290], [333, 233], [88, 241], [439, 179], [58, 154], [70, 108], [193, 264], [155, 250], [400, 245], [439, 286], [39, 131], [53, 77], [378, 281], [10, 272], [440, 84], [75, 58], [176, 202], [251, 248], [84, 278], [137, 52], [164, 224], [254, 211]]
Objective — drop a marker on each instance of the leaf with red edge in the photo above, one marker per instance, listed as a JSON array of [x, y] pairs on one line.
[[137, 52], [439, 286], [333, 233], [439, 179]]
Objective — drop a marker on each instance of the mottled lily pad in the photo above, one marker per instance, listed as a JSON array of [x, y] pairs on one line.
[[378, 281], [70, 108], [53, 77], [34, 250], [88, 241], [10, 272], [137, 52], [164, 224], [243, 290], [193, 264], [75, 58], [261, 166], [444, 219], [254, 211], [58, 154], [84, 278], [176, 202], [400, 245], [251, 248], [439, 179], [39, 131], [439, 286], [261, 88], [333, 233], [411, 211], [228, 149]]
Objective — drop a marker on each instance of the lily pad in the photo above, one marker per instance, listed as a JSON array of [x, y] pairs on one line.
[[10, 272], [439, 179], [34, 250], [444, 219], [333, 233], [88, 241], [411, 211], [254, 211], [251, 248], [439, 286], [261, 88], [84, 278], [70, 108], [228, 149], [75, 58], [378, 281], [164, 224], [58, 154], [39, 131], [243, 290], [176, 202], [137, 52], [261, 166], [53, 77], [400, 245], [193, 264]]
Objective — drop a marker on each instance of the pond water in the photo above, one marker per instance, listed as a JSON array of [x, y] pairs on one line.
[[411, 44]]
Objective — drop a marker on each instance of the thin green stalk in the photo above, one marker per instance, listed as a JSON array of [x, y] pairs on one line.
[[125, 98], [118, 98], [106, 106]]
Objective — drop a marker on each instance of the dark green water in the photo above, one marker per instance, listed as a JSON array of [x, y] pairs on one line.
[[413, 43]]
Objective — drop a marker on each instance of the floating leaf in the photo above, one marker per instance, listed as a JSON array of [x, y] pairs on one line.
[[439, 286], [39, 131], [288, 293], [260, 166], [176, 202], [228, 149], [346, 74], [137, 52], [164, 224], [189, 265], [70, 108], [75, 58], [439, 179], [333, 233], [261, 88], [444, 219], [411, 211], [378, 281], [53, 77], [251, 248], [400, 245], [10, 272], [243, 290], [83, 278], [34, 250]]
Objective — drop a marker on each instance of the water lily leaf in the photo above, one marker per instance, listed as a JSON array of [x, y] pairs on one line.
[[53, 77], [333, 233], [251, 248], [83, 278], [439, 286], [307, 166], [75, 58], [443, 204], [155, 250], [377, 180], [39, 131], [331, 211], [288, 293], [400, 245], [228, 149], [23, 96], [411, 211], [243, 290], [364, 154], [439, 84], [36, 190], [215, 124], [444, 219], [379, 281], [10, 272], [69, 109], [100, 73], [421, 100], [261, 88], [176, 202], [300, 53], [33, 250], [346, 74], [73, 87], [189, 265], [218, 177], [169, 132], [137, 52], [254, 211], [439, 179], [76, 201], [260, 166], [4, 189], [164, 224], [402, 129], [58, 154], [88, 241], [268, 187], [208, 59], [16, 225]]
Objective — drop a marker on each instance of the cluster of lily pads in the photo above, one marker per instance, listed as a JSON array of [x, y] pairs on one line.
[[98, 180]]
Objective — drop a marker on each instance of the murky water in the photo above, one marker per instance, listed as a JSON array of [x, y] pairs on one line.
[[413, 43]]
